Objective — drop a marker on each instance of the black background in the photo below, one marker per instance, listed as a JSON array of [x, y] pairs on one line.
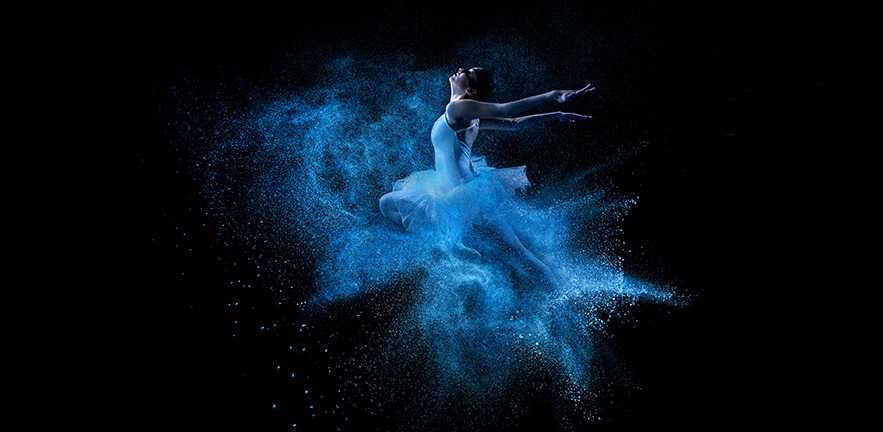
[[754, 121]]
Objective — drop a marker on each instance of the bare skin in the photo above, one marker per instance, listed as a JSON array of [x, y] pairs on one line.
[[502, 116], [463, 110]]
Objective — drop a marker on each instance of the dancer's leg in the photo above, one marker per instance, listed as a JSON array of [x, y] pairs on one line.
[[389, 209], [508, 236]]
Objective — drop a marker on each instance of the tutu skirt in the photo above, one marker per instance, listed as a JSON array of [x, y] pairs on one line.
[[427, 204]]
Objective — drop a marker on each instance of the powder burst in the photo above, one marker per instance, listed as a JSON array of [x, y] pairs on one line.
[[303, 172]]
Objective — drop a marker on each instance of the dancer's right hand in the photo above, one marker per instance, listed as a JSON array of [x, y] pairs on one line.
[[566, 95]]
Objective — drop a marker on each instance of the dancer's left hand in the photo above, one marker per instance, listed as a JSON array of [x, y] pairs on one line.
[[572, 117]]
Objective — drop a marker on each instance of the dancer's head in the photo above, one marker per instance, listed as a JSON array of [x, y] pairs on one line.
[[477, 82]]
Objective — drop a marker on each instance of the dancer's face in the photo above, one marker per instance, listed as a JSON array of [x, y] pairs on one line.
[[461, 79]]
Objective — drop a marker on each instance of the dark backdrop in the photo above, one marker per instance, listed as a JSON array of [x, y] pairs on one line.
[[748, 105]]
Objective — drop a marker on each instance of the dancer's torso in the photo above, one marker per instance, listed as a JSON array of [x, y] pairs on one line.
[[453, 150]]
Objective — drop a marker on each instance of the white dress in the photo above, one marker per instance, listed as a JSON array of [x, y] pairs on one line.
[[460, 191]]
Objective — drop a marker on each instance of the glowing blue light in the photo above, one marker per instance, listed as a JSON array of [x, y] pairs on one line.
[[310, 167]]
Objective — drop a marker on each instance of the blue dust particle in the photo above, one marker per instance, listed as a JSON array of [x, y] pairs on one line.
[[310, 167]]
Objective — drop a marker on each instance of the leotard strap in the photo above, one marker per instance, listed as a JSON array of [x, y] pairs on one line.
[[471, 125]]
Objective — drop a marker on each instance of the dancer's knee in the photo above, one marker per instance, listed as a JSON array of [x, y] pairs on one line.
[[388, 208]]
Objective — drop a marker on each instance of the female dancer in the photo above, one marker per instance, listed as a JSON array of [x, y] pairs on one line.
[[462, 192]]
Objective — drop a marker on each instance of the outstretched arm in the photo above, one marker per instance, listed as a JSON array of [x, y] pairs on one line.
[[466, 110], [519, 123]]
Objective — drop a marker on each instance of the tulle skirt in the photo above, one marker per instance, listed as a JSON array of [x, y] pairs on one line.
[[426, 204]]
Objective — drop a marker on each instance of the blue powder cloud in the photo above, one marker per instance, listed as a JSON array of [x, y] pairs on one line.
[[303, 171]]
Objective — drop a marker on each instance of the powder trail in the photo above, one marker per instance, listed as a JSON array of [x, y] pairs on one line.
[[309, 167]]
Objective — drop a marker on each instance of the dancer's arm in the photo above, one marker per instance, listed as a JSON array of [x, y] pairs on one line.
[[465, 110], [519, 123]]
